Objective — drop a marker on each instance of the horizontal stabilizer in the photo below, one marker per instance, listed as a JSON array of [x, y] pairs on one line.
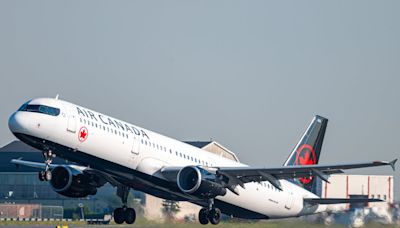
[[338, 200]]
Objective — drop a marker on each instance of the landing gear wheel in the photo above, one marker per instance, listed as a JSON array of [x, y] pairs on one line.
[[47, 175], [130, 216], [119, 216], [124, 214], [203, 216], [214, 215], [41, 175]]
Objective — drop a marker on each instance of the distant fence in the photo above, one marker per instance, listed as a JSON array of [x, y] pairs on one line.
[[34, 211]]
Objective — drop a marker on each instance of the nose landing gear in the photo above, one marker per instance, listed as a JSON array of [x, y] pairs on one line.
[[45, 175], [210, 214], [124, 213]]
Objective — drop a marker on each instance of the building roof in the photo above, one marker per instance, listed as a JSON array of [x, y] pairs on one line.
[[17, 146], [215, 148], [199, 144]]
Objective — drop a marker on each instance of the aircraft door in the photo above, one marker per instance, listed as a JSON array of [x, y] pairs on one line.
[[135, 146], [289, 202], [71, 120]]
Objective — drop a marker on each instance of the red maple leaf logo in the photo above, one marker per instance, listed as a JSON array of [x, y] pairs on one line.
[[305, 156], [83, 134]]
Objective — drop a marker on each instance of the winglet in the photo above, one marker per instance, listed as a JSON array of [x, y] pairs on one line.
[[392, 164]]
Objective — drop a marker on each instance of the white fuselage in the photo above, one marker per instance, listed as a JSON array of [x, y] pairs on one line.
[[147, 152]]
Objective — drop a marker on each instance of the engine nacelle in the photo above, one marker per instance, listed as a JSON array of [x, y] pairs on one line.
[[197, 181], [71, 182]]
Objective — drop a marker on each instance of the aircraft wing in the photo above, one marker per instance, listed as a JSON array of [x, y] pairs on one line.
[[104, 177], [339, 200], [40, 165], [241, 175]]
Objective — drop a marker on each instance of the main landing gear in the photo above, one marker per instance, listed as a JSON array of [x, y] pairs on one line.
[[124, 213], [210, 214], [45, 175]]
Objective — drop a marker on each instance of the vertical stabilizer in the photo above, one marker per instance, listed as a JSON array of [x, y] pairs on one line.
[[308, 150]]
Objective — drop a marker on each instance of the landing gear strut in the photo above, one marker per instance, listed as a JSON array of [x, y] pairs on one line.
[[124, 213], [210, 214], [45, 175]]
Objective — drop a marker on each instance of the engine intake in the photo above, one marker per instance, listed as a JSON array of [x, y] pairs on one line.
[[71, 182], [197, 181]]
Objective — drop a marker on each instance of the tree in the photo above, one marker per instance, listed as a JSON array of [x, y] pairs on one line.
[[170, 209]]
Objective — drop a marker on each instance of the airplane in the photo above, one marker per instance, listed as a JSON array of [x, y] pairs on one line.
[[104, 150]]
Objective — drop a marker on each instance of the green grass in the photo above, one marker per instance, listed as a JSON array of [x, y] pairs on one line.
[[143, 223]]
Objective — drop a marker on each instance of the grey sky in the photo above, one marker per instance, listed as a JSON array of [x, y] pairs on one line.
[[249, 74]]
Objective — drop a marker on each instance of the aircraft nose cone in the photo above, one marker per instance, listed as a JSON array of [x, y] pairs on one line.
[[15, 123]]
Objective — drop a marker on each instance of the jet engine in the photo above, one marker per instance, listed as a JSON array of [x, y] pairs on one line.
[[200, 182], [71, 182]]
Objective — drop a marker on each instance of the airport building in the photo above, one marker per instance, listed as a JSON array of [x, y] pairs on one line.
[[21, 187], [359, 186]]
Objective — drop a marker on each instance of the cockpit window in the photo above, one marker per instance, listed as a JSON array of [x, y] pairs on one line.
[[40, 109]]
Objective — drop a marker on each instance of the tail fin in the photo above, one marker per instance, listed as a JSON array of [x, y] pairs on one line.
[[308, 150]]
